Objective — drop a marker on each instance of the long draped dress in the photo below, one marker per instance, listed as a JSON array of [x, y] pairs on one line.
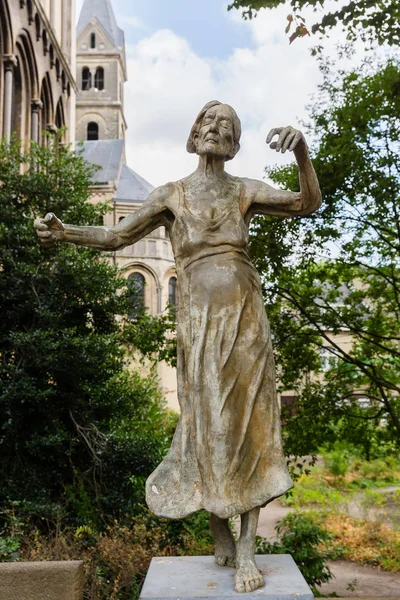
[[226, 456]]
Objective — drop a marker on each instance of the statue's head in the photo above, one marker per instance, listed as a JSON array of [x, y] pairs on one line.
[[215, 131]]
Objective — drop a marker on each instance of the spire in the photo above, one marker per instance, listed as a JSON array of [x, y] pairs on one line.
[[103, 12]]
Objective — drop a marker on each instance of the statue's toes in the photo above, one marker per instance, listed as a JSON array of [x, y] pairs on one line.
[[254, 583], [225, 560], [248, 579]]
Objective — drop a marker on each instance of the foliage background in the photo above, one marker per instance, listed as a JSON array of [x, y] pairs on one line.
[[365, 19], [337, 272], [79, 431]]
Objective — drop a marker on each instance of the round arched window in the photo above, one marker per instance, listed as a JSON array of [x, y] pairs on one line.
[[92, 131], [99, 78], [172, 291], [136, 283], [86, 79]]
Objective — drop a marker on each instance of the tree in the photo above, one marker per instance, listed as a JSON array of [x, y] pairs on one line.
[[338, 272], [77, 428], [363, 19]]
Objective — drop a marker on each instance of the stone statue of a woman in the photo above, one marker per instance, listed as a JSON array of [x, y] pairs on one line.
[[226, 456]]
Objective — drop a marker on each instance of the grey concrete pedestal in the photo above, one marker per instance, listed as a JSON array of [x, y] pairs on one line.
[[198, 577]]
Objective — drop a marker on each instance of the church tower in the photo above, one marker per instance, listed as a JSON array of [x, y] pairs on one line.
[[100, 74], [100, 125]]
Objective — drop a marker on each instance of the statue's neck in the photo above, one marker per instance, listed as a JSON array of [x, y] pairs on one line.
[[211, 166]]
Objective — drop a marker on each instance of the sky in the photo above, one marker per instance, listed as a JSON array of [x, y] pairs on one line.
[[183, 53]]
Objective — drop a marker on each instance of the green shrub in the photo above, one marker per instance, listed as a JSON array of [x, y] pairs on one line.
[[11, 534], [385, 470], [374, 498], [300, 535], [191, 536], [116, 558], [338, 460], [78, 429], [318, 496]]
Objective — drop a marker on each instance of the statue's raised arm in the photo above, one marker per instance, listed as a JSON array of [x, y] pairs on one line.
[[263, 198], [151, 215]]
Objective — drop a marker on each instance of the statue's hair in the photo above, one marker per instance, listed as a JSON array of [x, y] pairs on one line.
[[237, 129]]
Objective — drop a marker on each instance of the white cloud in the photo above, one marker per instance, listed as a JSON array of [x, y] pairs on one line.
[[268, 85]]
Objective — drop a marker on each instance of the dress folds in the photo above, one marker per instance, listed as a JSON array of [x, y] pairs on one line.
[[226, 456]]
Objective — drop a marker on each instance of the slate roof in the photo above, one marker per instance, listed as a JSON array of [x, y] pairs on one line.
[[103, 12], [107, 154], [132, 187]]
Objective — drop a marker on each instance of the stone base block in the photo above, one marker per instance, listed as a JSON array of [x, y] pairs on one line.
[[198, 578], [41, 580]]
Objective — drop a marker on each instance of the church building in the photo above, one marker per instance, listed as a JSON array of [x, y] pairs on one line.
[[59, 76], [37, 75]]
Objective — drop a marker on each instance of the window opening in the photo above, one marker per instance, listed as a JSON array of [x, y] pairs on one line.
[[92, 131], [86, 79], [136, 283], [93, 40], [99, 78], [172, 291]]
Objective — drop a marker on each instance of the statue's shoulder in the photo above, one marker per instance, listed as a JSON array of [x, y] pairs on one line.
[[251, 187], [251, 191], [164, 194]]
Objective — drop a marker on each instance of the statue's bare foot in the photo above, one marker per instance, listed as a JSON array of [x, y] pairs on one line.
[[224, 558], [225, 547], [248, 577]]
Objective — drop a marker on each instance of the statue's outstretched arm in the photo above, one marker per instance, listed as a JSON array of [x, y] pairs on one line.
[[262, 198], [131, 229]]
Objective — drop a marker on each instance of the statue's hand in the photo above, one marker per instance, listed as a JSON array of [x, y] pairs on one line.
[[49, 229], [289, 139]]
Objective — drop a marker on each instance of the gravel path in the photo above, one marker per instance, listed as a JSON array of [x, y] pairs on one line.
[[370, 581]]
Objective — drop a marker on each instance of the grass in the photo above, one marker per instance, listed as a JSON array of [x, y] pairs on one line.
[[363, 541], [375, 498], [376, 473], [326, 495], [322, 488], [318, 490]]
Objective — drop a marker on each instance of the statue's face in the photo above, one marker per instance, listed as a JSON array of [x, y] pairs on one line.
[[216, 135]]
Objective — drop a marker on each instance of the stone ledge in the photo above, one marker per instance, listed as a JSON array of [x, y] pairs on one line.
[[61, 580], [199, 578]]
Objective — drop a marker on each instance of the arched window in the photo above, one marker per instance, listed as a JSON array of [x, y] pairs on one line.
[[93, 40], [172, 291], [51, 52], [99, 78], [92, 131], [136, 283], [17, 106], [58, 69], [86, 79], [46, 114], [45, 42], [30, 11], [60, 118], [38, 27]]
